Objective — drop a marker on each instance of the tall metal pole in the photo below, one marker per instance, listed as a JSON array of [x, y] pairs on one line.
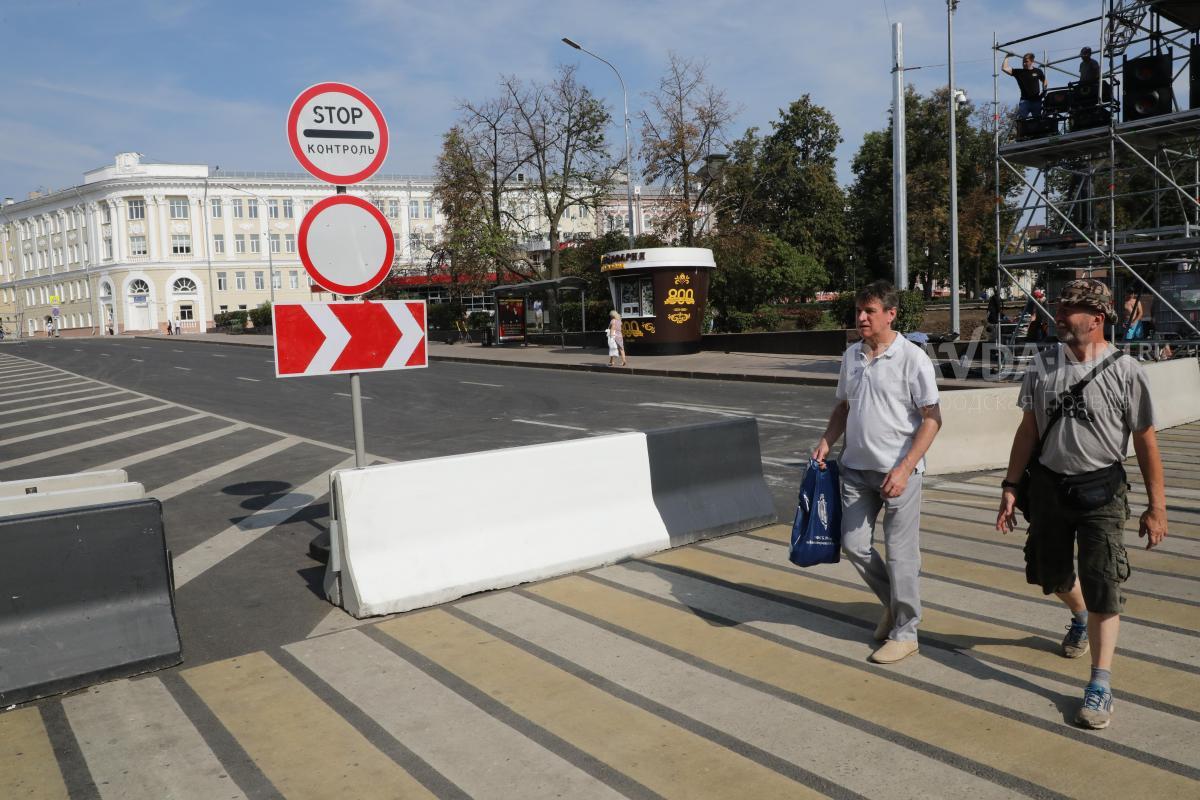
[[951, 5], [899, 168], [628, 153], [360, 446]]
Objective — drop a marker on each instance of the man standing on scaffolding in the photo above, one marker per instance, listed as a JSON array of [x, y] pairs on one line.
[[1082, 402], [1033, 86]]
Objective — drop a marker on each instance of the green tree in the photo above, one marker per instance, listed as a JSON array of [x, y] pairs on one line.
[[785, 183], [927, 136], [757, 269], [686, 121]]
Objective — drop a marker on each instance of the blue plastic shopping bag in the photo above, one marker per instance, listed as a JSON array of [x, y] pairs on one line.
[[817, 529]]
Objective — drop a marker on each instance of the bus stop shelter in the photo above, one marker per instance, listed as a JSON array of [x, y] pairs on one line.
[[522, 291]]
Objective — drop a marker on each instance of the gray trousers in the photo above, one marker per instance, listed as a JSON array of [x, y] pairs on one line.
[[895, 582]]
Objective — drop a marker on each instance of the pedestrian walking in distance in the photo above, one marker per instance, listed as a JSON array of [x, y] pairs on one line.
[[1083, 400], [888, 409], [616, 340]]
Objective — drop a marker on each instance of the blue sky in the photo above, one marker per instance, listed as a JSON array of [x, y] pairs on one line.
[[210, 81]]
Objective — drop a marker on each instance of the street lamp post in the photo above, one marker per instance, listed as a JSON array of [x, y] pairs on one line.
[[951, 6], [628, 154]]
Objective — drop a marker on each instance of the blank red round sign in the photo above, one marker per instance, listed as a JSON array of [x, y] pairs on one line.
[[346, 245]]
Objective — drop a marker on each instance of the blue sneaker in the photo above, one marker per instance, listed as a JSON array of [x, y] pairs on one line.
[[1096, 711], [1075, 643]]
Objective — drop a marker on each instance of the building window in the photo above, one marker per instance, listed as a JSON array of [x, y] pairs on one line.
[[179, 208], [274, 242], [308, 204], [222, 283], [238, 211], [276, 280], [258, 281], [137, 208], [137, 245], [294, 279], [181, 244], [289, 241], [185, 312], [273, 208], [139, 286], [215, 205], [414, 209], [288, 210], [255, 244], [106, 213], [108, 248], [252, 209], [183, 286], [223, 309], [239, 243], [219, 243], [239, 281], [393, 208], [428, 209]]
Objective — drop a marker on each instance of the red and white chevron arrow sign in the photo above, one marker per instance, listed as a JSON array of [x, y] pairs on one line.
[[328, 338]]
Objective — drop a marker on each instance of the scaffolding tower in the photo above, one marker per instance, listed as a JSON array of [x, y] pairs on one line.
[[1109, 178]]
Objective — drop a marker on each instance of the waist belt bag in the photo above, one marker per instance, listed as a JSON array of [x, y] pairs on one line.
[[1022, 490], [1091, 490]]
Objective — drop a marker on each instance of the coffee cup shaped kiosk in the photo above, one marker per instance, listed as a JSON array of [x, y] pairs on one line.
[[661, 293]]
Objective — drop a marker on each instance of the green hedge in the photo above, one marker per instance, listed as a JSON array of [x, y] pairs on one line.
[[597, 315], [261, 316], [228, 318], [442, 316]]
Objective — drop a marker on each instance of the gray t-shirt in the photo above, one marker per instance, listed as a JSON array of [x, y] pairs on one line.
[[1095, 433]]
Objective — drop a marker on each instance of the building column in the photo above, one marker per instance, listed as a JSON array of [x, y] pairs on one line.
[[120, 236]]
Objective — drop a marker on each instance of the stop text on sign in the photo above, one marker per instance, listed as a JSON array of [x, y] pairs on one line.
[[337, 133]]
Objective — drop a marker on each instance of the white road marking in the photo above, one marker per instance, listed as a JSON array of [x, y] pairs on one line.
[[88, 424], [343, 394], [167, 449], [136, 359], [216, 355], [105, 355], [254, 380], [74, 448], [189, 482], [40, 405], [550, 424], [764, 419], [46, 388], [336, 620], [477, 383], [185, 369], [57, 394], [213, 551], [17, 376], [72, 413], [144, 347], [176, 351]]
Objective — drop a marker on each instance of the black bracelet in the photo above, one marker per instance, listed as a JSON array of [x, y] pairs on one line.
[[1007, 484]]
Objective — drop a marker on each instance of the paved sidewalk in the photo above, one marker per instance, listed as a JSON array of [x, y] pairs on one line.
[[712, 365], [716, 670]]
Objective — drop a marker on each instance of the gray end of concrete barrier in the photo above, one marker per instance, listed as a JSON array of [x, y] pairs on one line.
[[70, 498], [58, 483], [87, 598], [707, 479]]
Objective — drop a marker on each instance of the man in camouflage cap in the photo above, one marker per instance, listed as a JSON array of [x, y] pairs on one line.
[[1090, 293], [1083, 400]]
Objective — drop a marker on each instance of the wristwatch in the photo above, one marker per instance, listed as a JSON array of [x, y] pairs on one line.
[[1007, 484]]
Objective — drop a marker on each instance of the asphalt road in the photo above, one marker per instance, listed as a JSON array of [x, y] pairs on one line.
[[250, 443]]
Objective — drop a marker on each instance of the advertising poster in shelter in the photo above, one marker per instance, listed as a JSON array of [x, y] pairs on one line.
[[510, 319]]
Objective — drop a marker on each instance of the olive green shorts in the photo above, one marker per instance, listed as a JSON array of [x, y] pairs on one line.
[[1054, 530]]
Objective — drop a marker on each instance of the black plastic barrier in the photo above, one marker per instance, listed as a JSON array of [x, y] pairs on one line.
[[87, 597], [707, 479]]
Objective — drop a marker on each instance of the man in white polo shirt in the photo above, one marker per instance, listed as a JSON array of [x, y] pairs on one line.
[[888, 408]]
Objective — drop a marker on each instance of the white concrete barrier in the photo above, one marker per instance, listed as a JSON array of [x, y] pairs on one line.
[[1175, 386], [978, 424], [58, 483], [70, 498], [417, 533]]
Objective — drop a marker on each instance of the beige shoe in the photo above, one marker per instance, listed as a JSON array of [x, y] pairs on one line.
[[893, 651], [885, 626]]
